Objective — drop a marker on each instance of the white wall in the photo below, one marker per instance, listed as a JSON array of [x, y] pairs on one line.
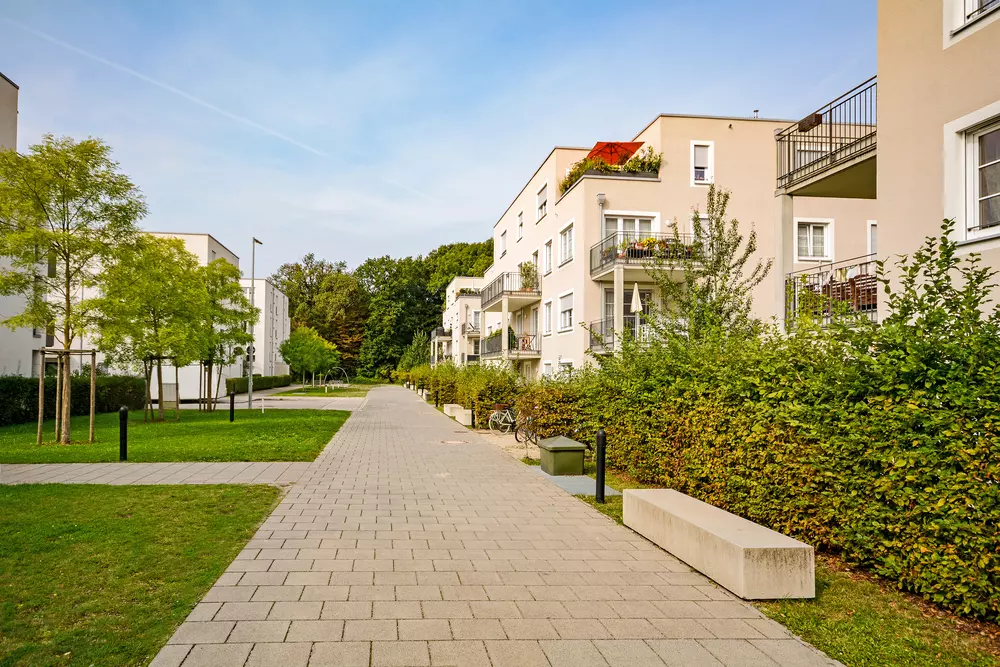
[[273, 327]]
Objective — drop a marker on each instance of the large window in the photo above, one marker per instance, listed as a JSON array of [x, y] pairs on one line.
[[702, 162], [566, 312], [627, 227], [566, 245], [542, 201], [984, 179], [813, 240], [503, 243], [548, 257]]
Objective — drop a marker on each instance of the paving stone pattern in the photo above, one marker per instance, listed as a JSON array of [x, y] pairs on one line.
[[280, 473], [397, 549]]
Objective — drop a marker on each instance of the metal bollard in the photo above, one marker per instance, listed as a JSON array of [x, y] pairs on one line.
[[123, 434], [232, 407], [600, 454]]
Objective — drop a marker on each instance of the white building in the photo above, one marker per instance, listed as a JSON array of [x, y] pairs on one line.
[[18, 348], [273, 327], [458, 338]]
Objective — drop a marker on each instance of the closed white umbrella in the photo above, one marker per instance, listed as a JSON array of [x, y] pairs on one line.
[[636, 300]]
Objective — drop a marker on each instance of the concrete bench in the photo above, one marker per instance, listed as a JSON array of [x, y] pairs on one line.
[[450, 408], [754, 562], [464, 416], [561, 456]]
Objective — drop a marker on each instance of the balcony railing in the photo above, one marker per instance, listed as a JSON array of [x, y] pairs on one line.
[[470, 328], [472, 358], [508, 283], [602, 333], [492, 346], [835, 290], [524, 343], [640, 248], [517, 345], [835, 133]]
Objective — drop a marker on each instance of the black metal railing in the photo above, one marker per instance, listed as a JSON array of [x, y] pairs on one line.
[[491, 346], [524, 343], [830, 291], [509, 283], [602, 332], [472, 358], [839, 131], [470, 328], [640, 247], [976, 8]]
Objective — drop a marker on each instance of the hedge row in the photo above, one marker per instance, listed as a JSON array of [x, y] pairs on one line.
[[241, 385], [19, 396], [477, 387], [877, 442]]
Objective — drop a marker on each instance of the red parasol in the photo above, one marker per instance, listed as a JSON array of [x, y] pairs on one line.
[[614, 152]]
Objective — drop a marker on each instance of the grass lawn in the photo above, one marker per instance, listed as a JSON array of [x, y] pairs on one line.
[[103, 575], [276, 435], [357, 391], [858, 620]]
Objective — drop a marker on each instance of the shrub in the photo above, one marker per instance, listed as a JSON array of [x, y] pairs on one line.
[[241, 385], [19, 396]]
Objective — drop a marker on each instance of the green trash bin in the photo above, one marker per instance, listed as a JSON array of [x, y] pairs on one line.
[[561, 456]]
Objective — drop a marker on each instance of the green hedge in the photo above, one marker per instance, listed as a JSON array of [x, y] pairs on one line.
[[477, 386], [241, 385], [19, 396], [877, 442]]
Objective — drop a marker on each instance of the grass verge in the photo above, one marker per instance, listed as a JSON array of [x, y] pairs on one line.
[[858, 620], [335, 392], [102, 575], [275, 435]]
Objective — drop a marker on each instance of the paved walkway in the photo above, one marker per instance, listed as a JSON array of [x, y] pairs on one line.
[[412, 542], [280, 472]]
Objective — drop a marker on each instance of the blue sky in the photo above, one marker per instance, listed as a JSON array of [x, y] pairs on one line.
[[371, 128]]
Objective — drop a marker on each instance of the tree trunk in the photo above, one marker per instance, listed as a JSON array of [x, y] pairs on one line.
[[218, 382], [67, 344], [147, 406], [58, 414], [208, 387], [159, 389], [67, 387]]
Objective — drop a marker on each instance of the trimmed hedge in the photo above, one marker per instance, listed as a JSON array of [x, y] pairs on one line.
[[241, 385], [477, 387], [19, 396]]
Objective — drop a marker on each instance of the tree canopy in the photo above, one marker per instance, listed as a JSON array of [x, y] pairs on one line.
[[306, 352]]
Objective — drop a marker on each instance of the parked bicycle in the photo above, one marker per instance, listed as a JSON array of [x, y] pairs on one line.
[[524, 432], [502, 419]]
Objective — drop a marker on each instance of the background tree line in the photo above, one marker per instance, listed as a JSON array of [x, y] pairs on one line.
[[373, 313]]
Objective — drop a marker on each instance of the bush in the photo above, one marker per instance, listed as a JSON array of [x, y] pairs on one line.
[[19, 396], [241, 385], [367, 381]]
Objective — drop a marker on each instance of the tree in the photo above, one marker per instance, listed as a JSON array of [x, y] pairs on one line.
[[417, 353], [302, 282], [225, 323], [152, 301], [339, 313], [306, 352], [65, 203], [716, 289]]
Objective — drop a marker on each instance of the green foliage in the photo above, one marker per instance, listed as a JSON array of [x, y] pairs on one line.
[[241, 385], [477, 387], [879, 442], [529, 276], [646, 161], [306, 352], [19, 396], [417, 353]]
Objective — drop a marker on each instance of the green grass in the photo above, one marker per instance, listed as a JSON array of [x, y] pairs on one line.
[[855, 620], [102, 575], [275, 435], [336, 392]]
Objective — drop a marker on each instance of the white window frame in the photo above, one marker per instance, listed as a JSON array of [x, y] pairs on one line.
[[655, 227], [520, 225], [547, 258], [566, 362], [958, 185], [972, 167], [547, 369], [503, 243], [710, 170], [547, 318], [957, 26], [563, 260], [828, 239], [560, 311], [868, 228], [539, 204]]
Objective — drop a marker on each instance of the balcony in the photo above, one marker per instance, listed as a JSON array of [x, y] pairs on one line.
[[831, 152], [639, 251], [471, 359], [519, 292], [520, 346], [441, 334], [470, 329], [834, 291], [602, 333]]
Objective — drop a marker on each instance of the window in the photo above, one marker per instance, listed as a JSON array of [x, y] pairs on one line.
[[475, 345], [548, 257], [547, 369], [812, 240], [627, 227], [475, 319], [984, 179], [503, 243], [702, 162], [547, 318], [872, 237], [520, 225], [534, 260], [566, 245], [542, 201], [565, 366], [566, 312]]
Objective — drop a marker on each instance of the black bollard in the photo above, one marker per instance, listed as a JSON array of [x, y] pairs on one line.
[[232, 407], [601, 444], [123, 434]]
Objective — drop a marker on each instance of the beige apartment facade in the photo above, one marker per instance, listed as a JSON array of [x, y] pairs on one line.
[[582, 243], [921, 140], [458, 339]]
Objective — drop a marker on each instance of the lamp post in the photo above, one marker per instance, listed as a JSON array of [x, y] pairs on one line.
[[251, 351]]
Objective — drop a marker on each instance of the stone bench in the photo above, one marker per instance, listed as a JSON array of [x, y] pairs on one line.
[[754, 562], [451, 408], [464, 416]]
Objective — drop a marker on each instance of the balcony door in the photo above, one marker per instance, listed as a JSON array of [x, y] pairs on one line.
[[628, 228], [646, 296]]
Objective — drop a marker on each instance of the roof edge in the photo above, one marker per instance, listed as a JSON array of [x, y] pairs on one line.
[[535, 173], [710, 117], [8, 80]]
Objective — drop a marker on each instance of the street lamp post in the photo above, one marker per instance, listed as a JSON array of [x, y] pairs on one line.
[[251, 352]]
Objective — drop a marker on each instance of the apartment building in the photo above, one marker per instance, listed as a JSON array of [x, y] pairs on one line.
[[921, 141], [458, 339], [567, 263], [273, 327], [18, 347]]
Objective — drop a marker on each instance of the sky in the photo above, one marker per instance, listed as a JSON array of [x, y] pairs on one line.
[[354, 130]]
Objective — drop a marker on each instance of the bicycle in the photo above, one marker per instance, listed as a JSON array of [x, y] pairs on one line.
[[523, 432], [502, 419]]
